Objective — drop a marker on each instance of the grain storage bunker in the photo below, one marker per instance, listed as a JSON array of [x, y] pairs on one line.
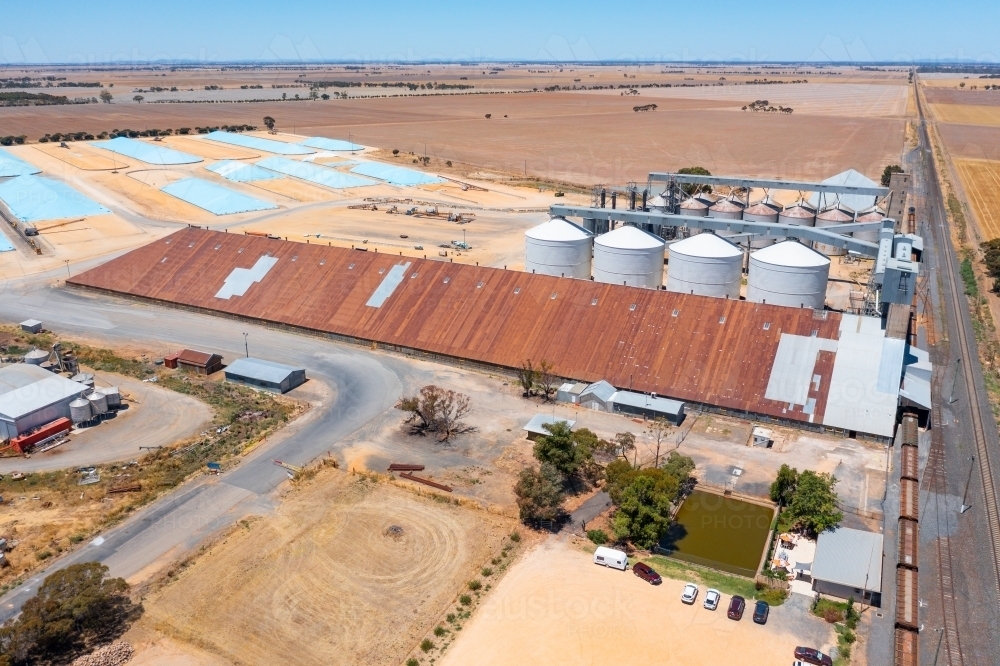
[[558, 248], [790, 274], [762, 211], [705, 265], [836, 214], [629, 256], [873, 214]]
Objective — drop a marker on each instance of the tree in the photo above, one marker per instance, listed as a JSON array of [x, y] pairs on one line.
[[325, 96], [658, 428], [269, 123], [813, 505], [643, 513], [991, 256], [395, 151], [783, 487], [527, 375], [561, 449], [625, 443], [436, 410], [74, 608], [546, 380], [539, 493], [106, 96], [488, 116], [138, 98], [680, 467], [888, 171], [313, 95], [692, 189]]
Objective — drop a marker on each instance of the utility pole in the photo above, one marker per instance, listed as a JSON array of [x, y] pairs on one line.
[[954, 380], [246, 344], [965, 495]]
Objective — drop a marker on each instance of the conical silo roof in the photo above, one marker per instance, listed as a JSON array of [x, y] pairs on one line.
[[706, 245], [629, 238], [558, 229], [790, 253]]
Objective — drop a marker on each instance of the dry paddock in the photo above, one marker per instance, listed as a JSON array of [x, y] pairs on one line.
[[321, 581], [981, 182]]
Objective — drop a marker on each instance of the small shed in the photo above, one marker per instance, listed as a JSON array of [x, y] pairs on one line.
[[848, 563], [267, 375], [648, 406], [597, 396], [536, 426], [570, 392], [31, 326], [763, 437], [202, 363]]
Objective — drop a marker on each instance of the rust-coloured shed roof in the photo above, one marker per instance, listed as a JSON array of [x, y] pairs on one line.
[[195, 357], [686, 347]]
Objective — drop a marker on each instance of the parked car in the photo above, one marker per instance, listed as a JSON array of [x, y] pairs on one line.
[[760, 612], [690, 593], [645, 572], [813, 656], [712, 598], [736, 606]]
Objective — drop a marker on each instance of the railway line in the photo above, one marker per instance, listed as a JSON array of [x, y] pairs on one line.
[[965, 346]]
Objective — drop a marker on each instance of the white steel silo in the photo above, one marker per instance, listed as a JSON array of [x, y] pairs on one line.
[[837, 214], [558, 248], [694, 207], [873, 214], [790, 274], [762, 211], [727, 209], [801, 214], [629, 256], [706, 265]]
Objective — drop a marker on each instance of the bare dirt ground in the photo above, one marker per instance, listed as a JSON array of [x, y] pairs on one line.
[[556, 607], [313, 583], [937, 96], [981, 183]]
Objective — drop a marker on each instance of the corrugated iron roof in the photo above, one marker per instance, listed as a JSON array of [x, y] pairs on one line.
[[852, 558], [195, 357], [536, 425], [685, 347], [260, 369]]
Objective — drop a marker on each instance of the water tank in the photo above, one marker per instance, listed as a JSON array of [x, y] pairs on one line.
[[79, 411], [98, 403], [706, 265], [837, 214], [558, 248], [727, 209], [629, 256], [36, 357], [801, 214], [762, 211], [790, 274], [872, 214], [113, 396]]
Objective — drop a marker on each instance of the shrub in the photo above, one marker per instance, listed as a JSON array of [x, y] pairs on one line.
[[451, 617], [395, 151], [474, 585], [427, 645], [515, 536], [439, 631], [448, 163], [486, 571], [832, 615], [465, 600], [599, 537], [412, 661], [43, 555]]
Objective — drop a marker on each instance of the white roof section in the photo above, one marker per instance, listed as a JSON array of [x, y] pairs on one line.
[[536, 425], [39, 395], [851, 558], [258, 368], [790, 253], [19, 375], [558, 229], [706, 245], [629, 238], [30, 322], [850, 178], [600, 389], [644, 401]]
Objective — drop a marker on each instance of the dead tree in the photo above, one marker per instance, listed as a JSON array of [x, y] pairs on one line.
[[436, 410]]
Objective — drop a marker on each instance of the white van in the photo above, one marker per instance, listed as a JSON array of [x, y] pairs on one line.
[[610, 557]]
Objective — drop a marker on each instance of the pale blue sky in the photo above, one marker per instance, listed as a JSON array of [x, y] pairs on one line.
[[139, 30]]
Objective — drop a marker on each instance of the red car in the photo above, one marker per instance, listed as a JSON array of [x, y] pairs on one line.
[[645, 572], [813, 656], [736, 606]]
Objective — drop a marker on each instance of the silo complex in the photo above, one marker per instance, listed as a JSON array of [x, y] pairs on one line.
[[629, 256], [705, 265], [838, 214], [762, 211], [789, 274], [558, 248]]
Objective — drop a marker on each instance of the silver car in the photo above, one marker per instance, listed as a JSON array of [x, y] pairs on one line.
[[690, 593], [712, 598]]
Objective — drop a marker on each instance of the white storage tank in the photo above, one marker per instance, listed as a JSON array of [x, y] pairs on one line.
[[113, 396], [79, 411], [873, 214], [36, 357], [706, 265], [657, 203], [629, 256], [790, 274], [98, 403], [558, 248], [727, 209], [762, 211], [836, 214]]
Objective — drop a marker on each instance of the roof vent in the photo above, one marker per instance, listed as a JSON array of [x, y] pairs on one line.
[[593, 302], [517, 290], [447, 280], [295, 258], [722, 319], [631, 308], [322, 262], [413, 276], [480, 285], [190, 244], [767, 326], [217, 247], [381, 270], [351, 267], [553, 297], [675, 313]]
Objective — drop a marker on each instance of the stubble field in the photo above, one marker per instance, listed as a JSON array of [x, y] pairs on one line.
[[981, 182]]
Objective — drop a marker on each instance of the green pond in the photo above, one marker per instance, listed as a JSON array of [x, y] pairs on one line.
[[719, 532]]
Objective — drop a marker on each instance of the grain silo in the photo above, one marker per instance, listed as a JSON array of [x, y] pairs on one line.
[[98, 403], [727, 209], [657, 203], [36, 357], [836, 214], [801, 214], [873, 214], [706, 265], [629, 256], [558, 248], [789, 274], [762, 211], [79, 411], [113, 396], [694, 207]]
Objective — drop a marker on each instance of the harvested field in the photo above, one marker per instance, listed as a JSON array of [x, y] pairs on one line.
[[970, 141], [962, 97], [310, 585], [967, 114], [576, 137], [83, 156], [981, 182]]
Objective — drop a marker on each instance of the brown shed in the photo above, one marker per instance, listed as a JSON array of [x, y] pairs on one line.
[[202, 363], [909, 499], [170, 361], [909, 536], [909, 465], [907, 599]]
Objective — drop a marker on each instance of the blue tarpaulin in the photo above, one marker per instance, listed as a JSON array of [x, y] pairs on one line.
[[330, 144], [241, 172], [313, 173], [268, 145], [214, 198], [145, 151], [395, 175], [33, 198], [5, 245], [11, 165]]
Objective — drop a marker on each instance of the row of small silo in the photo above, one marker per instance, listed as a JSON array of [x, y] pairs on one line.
[[94, 404]]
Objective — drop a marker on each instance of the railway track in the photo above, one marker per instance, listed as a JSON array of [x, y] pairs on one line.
[[967, 348]]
